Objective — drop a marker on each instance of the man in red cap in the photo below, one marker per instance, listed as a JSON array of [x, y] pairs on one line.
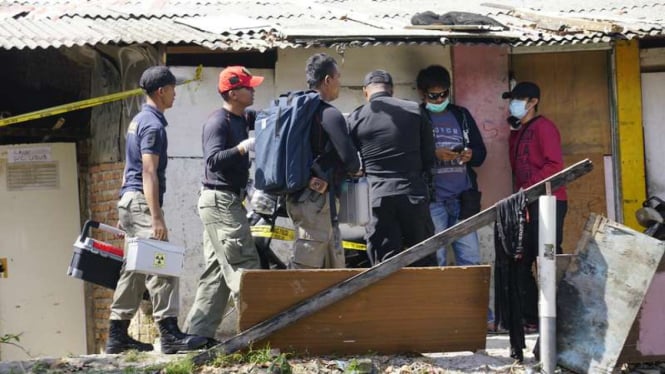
[[228, 245]]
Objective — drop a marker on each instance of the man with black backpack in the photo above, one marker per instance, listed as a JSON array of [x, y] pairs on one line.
[[396, 146], [228, 245], [318, 244]]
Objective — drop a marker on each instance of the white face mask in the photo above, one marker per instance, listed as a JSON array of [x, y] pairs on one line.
[[518, 108]]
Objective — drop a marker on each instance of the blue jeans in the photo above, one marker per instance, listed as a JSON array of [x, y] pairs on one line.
[[467, 249]]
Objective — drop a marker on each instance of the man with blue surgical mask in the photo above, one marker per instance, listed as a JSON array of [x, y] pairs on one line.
[[459, 148], [535, 154]]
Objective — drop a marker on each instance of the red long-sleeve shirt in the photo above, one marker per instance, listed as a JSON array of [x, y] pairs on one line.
[[535, 154]]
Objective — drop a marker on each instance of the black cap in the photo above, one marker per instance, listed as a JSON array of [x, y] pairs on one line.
[[378, 76], [523, 90], [155, 77]]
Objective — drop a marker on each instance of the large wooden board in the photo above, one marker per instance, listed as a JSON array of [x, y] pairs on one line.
[[601, 293], [413, 310]]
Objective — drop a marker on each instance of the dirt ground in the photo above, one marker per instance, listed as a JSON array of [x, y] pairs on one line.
[[494, 359]]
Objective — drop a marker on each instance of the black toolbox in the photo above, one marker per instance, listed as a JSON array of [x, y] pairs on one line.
[[95, 261]]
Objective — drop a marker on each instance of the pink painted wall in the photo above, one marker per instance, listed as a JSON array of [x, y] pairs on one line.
[[652, 329], [480, 76]]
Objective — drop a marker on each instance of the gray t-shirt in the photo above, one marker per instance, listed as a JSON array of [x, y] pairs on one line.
[[449, 177]]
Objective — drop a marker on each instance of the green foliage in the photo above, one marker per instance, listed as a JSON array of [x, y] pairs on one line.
[[183, 366], [262, 357], [134, 355], [39, 367], [10, 338]]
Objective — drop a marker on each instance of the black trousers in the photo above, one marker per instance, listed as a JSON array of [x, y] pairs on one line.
[[398, 222], [530, 297]]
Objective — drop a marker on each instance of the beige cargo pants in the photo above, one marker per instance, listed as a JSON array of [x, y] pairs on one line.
[[134, 216], [228, 248], [318, 244]]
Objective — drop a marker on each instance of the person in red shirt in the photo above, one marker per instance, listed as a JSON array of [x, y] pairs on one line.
[[535, 154]]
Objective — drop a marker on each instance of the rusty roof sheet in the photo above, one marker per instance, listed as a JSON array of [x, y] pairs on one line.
[[265, 24]]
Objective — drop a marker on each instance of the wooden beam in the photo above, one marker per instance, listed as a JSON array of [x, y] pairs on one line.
[[446, 309], [630, 130], [383, 269]]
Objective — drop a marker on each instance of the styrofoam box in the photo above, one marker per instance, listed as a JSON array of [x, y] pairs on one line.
[[154, 257]]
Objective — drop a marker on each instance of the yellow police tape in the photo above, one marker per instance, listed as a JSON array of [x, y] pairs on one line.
[[83, 103], [283, 233]]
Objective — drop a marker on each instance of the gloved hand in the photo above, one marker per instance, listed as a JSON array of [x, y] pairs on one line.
[[246, 145]]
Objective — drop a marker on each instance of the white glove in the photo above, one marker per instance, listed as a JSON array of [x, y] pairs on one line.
[[246, 145]]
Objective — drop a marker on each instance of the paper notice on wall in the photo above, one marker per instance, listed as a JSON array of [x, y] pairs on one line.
[[31, 154]]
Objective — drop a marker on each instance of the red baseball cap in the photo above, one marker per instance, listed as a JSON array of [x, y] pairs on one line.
[[235, 77]]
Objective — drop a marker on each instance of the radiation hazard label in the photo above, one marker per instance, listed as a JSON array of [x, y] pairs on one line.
[[160, 260]]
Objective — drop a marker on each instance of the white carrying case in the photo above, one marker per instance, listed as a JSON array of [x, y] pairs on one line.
[[154, 257], [354, 202]]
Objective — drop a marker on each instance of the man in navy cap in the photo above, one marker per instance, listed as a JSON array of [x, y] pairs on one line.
[[397, 149], [140, 215]]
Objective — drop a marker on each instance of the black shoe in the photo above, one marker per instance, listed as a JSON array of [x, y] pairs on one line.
[[119, 341], [173, 340], [211, 343], [517, 354]]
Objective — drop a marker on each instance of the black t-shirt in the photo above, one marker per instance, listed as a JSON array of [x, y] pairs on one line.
[[396, 145], [225, 167], [330, 139]]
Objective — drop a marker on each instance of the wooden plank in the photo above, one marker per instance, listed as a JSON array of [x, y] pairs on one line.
[[413, 310], [383, 269], [601, 293], [631, 133]]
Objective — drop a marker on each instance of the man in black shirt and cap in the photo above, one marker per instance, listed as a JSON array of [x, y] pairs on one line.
[[397, 149]]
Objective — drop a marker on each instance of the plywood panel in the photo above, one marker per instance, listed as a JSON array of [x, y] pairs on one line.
[[574, 94], [601, 292], [413, 310]]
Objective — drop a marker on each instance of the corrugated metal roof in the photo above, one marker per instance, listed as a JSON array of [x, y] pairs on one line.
[[264, 24]]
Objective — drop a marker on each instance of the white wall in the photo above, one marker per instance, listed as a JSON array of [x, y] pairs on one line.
[[402, 62]]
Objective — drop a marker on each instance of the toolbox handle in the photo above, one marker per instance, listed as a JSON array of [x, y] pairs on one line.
[[101, 226]]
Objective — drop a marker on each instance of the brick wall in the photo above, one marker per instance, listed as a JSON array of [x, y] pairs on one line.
[[103, 187]]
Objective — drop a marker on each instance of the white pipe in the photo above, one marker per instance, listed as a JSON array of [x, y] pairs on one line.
[[547, 281]]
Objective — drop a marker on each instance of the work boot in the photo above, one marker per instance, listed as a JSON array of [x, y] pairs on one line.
[[173, 340], [119, 341]]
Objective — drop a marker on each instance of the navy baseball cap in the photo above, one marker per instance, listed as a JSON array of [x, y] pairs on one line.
[[378, 76], [155, 77], [523, 90]]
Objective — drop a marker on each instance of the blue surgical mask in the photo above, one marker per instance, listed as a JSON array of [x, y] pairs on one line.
[[437, 108], [518, 108]]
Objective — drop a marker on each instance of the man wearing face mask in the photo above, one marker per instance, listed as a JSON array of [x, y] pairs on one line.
[[535, 154], [458, 148]]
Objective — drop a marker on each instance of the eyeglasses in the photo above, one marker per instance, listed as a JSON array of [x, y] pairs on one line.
[[436, 95]]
